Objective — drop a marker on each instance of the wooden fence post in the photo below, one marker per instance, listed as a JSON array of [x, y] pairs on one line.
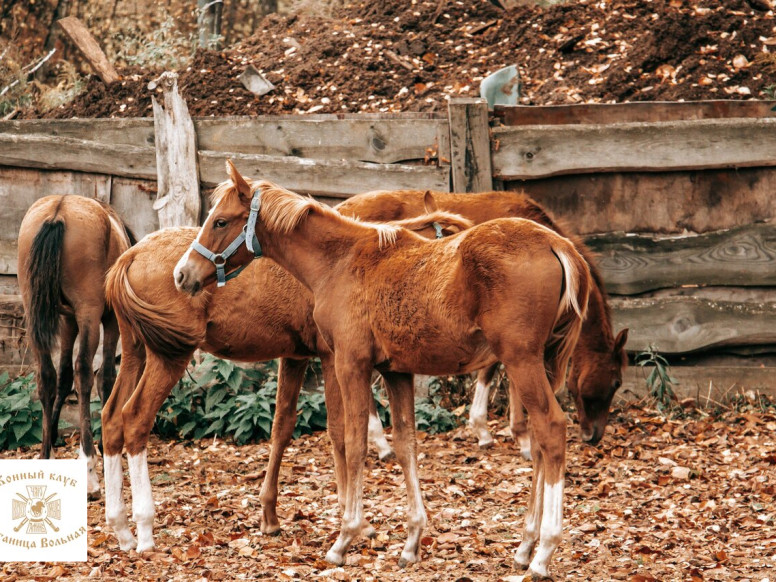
[[177, 198], [470, 144]]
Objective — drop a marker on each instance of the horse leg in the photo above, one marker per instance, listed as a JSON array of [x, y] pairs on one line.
[[478, 413], [353, 376], [401, 393], [290, 378], [335, 426], [107, 374], [89, 338], [131, 367], [47, 385], [544, 518], [377, 434], [67, 334], [517, 423], [138, 416]]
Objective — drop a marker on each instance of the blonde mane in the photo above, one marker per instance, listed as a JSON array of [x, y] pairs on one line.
[[282, 210]]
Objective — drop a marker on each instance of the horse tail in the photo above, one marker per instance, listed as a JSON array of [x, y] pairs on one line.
[[44, 272], [156, 326], [572, 309]]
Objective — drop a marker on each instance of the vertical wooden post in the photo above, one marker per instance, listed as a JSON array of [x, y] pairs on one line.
[[470, 144], [177, 199]]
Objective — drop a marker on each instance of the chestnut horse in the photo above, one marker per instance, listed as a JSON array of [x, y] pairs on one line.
[[66, 244], [599, 358], [508, 290], [263, 314]]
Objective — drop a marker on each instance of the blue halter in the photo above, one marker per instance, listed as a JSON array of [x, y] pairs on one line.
[[219, 259]]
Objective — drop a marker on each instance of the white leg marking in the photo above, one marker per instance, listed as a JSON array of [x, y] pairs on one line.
[[377, 437], [115, 511], [142, 500], [524, 440], [92, 480], [533, 519], [551, 529], [478, 415], [416, 515]]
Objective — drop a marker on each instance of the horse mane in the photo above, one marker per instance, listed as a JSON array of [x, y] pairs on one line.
[[443, 217], [283, 210]]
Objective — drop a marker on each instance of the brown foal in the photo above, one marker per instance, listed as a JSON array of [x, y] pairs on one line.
[[508, 290]]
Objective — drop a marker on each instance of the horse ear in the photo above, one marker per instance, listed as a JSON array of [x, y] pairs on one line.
[[240, 183], [619, 341], [429, 202]]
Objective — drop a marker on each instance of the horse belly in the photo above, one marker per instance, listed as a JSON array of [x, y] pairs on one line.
[[440, 355]]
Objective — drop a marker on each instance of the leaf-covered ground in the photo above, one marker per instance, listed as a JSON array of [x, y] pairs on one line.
[[660, 499]]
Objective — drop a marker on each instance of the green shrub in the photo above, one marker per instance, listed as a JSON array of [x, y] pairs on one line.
[[659, 382], [20, 414]]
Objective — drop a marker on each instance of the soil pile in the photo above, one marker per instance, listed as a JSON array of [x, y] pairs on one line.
[[399, 56]]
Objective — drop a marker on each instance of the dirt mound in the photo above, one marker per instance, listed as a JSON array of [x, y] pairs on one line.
[[388, 56]]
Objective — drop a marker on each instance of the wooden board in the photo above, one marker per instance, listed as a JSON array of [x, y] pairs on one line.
[[632, 112], [338, 179], [368, 138], [667, 202], [744, 256], [384, 141], [686, 324], [67, 153], [133, 200], [470, 145], [19, 188], [548, 150]]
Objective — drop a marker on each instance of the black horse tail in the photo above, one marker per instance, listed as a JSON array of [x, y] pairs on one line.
[[44, 270]]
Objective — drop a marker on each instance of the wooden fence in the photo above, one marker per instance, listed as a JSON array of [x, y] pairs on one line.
[[677, 199]]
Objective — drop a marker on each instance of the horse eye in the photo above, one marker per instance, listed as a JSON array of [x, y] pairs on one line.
[[219, 223]]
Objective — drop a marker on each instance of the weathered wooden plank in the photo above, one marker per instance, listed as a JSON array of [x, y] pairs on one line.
[[383, 141], [632, 112], [135, 131], [19, 188], [470, 145], [133, 200], [368, 138], [66, 153], [338, 179], [663, 202], [681, 325], [548, 150], [8, 256], [744, 256], [708, 385]]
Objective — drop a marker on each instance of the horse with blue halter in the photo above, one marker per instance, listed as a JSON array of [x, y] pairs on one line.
[[508, 290]]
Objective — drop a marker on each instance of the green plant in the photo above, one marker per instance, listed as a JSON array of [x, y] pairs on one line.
[[20, 414], [659, 382], [770, 91], [430, 415]]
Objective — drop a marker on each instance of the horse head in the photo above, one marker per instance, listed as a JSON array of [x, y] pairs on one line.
[[594, 378], [220, 244]]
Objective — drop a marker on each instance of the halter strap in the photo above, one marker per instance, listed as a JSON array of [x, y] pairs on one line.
[[437, 228], [219, 259]]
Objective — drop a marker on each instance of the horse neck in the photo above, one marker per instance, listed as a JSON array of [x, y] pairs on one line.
[[312, 249], [597, 327]]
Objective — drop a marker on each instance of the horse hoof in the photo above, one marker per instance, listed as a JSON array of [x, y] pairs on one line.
[[485, 444], [369, 531], [407, 558], [93, 495], [388, 456], [126, 546], [145, 547], [333, 557], [531, 575], [270, 530]]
